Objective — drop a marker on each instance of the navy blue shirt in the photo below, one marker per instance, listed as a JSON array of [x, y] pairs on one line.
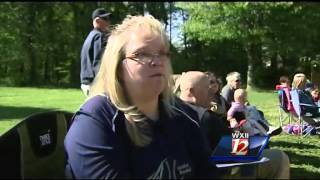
[[98, 146], [213, 125], [91, 52]]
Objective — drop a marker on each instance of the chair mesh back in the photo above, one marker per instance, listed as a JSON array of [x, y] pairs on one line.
[[283, 100], [42, 145], [295, 102], [38, 145]]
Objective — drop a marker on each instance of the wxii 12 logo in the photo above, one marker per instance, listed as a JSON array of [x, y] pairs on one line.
[[240, 143]]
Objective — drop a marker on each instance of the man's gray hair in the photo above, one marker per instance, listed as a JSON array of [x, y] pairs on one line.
[[233, 76]]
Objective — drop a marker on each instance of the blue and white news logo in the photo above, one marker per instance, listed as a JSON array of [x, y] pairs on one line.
[[240, 147]]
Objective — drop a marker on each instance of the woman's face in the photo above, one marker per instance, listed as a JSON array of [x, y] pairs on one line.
[[315, 93], [214, 85], [146, 64]]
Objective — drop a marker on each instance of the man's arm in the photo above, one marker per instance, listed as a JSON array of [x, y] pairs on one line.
[[98, 50]]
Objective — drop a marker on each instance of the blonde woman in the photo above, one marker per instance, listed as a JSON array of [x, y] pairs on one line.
[[298, 83], [128, 127]]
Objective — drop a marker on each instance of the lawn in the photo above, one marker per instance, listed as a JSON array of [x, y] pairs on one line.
[[17, 103]]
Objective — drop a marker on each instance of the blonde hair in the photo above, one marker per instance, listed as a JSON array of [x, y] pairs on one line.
[[240, 94], [299, 81], [108, 79], [176, 81]]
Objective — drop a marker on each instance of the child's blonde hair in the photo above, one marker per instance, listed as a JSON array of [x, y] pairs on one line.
[[240, 95]]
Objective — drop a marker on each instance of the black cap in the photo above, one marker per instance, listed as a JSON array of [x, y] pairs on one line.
[[102, 13]]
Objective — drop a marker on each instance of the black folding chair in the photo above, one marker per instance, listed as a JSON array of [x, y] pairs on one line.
[[312, 119], [34, 148]]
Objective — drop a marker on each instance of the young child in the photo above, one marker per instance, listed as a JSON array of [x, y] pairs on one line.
[[238, 112], [285, 85]]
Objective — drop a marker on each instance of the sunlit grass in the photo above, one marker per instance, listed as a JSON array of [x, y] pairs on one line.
[[17, 103]]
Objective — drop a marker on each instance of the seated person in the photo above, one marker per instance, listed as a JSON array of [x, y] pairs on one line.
[[285, 85], [233, 83], [314, 91], [218, 103], [193, 93], [311, 110], [238, 106], [284, 82], [129, 127], [315, 95]]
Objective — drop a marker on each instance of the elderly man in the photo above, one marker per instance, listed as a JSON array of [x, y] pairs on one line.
[[233, 83], [194, 87], [93, 47]]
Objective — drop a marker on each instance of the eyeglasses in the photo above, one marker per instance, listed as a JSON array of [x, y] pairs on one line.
[[147, 58], [238, 80]]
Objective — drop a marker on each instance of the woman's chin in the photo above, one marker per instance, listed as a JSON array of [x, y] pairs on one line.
[[154, 89]]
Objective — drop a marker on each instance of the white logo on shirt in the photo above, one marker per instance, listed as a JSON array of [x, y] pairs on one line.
[[169, 170], [45, 139]]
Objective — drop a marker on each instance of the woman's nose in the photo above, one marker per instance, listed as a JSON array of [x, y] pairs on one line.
[[156, 61]]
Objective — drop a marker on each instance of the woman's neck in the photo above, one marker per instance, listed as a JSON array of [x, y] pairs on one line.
[[149, 108]]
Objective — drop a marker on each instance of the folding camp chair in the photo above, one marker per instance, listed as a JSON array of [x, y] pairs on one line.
[[34, 148], [285, 109], [303, 115]]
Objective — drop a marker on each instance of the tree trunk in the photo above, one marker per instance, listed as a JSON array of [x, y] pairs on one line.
[[254, 55], [49, 54], [29, 42], [250, 71]]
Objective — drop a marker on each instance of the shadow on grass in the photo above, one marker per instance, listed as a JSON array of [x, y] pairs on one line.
[[286, 144], [12, 112], [301, 173], [299, 159]]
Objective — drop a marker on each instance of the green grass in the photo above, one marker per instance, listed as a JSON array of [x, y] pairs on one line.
[[17, 103]]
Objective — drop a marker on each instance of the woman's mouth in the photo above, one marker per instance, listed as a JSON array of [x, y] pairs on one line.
[[157, 75]]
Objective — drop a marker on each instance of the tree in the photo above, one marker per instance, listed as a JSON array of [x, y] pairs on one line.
[[258, 26]]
